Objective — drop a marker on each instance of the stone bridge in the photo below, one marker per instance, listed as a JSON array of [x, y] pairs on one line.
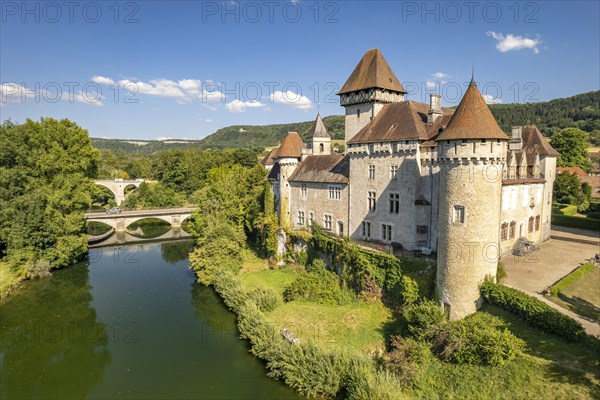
[[117, 187], [120, 222]]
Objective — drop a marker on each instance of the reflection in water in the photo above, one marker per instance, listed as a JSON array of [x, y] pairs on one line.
[[51, 342], [173, 252], [148, 228], [132, 323]]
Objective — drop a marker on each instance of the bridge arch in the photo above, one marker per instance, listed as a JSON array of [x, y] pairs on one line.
[[117, 187], [121, 221]]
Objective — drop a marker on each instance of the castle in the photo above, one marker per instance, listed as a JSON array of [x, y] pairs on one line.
[[421, 177]]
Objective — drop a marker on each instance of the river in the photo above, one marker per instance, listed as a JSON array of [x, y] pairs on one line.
[[130, 322]]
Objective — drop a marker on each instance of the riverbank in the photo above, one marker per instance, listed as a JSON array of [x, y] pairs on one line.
[[9, 281], [548, 367]]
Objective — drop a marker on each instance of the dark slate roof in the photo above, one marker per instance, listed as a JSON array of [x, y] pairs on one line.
[[268, 159], [318, 129], [333, 168], [291, 146], [372, 72], [472, 119], [405, 120], [274, 172]]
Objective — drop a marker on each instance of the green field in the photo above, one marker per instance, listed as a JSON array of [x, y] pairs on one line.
[[579, 292]]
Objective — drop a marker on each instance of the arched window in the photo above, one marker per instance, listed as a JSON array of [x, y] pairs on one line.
[[530, 225], [321, 147], [537, 222], [504, 231], [511, 230]]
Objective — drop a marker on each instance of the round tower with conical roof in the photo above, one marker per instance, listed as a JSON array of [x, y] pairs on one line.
[[471, 153]]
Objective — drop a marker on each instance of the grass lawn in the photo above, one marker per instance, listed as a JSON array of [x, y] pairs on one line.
[[580, 293], [357, 325], [8, 280]]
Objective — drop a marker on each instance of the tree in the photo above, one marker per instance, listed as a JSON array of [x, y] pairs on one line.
[[569, 190], [572, 144], [46, 181]]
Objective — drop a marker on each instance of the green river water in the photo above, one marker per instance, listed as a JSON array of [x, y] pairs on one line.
[[128, 323]]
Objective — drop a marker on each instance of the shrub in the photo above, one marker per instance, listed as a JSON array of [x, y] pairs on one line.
[[364, 382], [266, 299], [318, 285], [568, 209], [408, 359], [474, 342], [312, 371], [421, 317], [501, 272], [230, 289], [532, 310]]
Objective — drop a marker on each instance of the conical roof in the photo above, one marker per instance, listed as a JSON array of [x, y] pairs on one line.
[[372, 72], [291, 146], [472, 119], [318, 130]]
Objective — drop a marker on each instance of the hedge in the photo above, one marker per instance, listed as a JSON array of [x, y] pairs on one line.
[[576, 222], [532, 310], [568, 209]]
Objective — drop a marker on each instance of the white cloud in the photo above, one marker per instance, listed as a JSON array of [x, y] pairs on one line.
[[208, 120], [88, 98], [440, 75], [430, 85], [240, 106], [14, 92], [512, 42], [489, 99], [184, 90], [102, 80], [291, 99]]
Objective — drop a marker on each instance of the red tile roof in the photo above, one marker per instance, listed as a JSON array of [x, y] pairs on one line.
[[291, 146], [472, 119], [372, 72]]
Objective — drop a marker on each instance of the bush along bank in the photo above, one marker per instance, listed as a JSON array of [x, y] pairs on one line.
[[305, 367]]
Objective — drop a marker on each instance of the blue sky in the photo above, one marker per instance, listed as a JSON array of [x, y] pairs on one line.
[[151, 69]]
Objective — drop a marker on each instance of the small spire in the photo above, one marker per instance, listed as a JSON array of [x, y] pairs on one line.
[[472, 83]]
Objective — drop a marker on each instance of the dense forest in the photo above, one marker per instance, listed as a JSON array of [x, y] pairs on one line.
[[581, 111]]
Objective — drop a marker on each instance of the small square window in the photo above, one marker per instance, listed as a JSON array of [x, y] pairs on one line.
[[458, 216]]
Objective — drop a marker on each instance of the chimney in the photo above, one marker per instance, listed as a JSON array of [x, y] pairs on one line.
[[435, 108], [516, 140]]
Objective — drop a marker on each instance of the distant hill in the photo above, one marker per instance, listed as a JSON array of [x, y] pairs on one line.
[[268, 135], [582, 111], [142, 146]]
